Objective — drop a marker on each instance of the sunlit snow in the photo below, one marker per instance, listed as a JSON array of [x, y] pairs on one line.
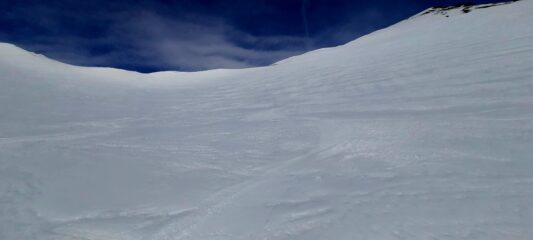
[[423, 130]]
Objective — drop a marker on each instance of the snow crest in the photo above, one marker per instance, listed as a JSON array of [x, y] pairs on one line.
[[421, 131]]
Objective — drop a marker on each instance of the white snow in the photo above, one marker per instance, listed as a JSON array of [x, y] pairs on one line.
[[423, 130]]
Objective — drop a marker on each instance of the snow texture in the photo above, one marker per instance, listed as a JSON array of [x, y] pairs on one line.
[[423, 130]]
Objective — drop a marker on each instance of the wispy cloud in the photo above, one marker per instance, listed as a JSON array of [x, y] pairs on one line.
[[200, 44], [148, 41]]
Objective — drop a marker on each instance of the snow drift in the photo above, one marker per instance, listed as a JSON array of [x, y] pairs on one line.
[[423, 130]]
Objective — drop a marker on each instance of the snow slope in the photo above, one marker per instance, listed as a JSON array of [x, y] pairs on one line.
[[423, 130]]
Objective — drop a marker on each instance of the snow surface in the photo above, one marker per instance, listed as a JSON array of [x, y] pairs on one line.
[[423, 130]]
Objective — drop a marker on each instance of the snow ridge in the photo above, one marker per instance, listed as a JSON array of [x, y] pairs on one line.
[[422, 130], [464, 8]]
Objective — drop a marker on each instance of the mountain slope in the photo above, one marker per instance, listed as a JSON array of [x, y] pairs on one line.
[[422, 130]]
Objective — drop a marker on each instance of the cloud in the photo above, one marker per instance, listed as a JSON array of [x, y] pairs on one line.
[[146, 40], [200, 44]]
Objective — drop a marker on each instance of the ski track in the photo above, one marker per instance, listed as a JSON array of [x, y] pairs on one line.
[[226, 196]]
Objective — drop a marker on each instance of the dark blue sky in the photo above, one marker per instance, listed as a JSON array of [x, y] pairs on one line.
[[191, 35]]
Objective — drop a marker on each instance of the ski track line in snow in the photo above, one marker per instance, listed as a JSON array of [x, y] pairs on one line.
[[222, 198], [157, 220], [111, 126], [53, 137]]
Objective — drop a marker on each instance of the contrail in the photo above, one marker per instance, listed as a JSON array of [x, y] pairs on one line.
[[306, 24]]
